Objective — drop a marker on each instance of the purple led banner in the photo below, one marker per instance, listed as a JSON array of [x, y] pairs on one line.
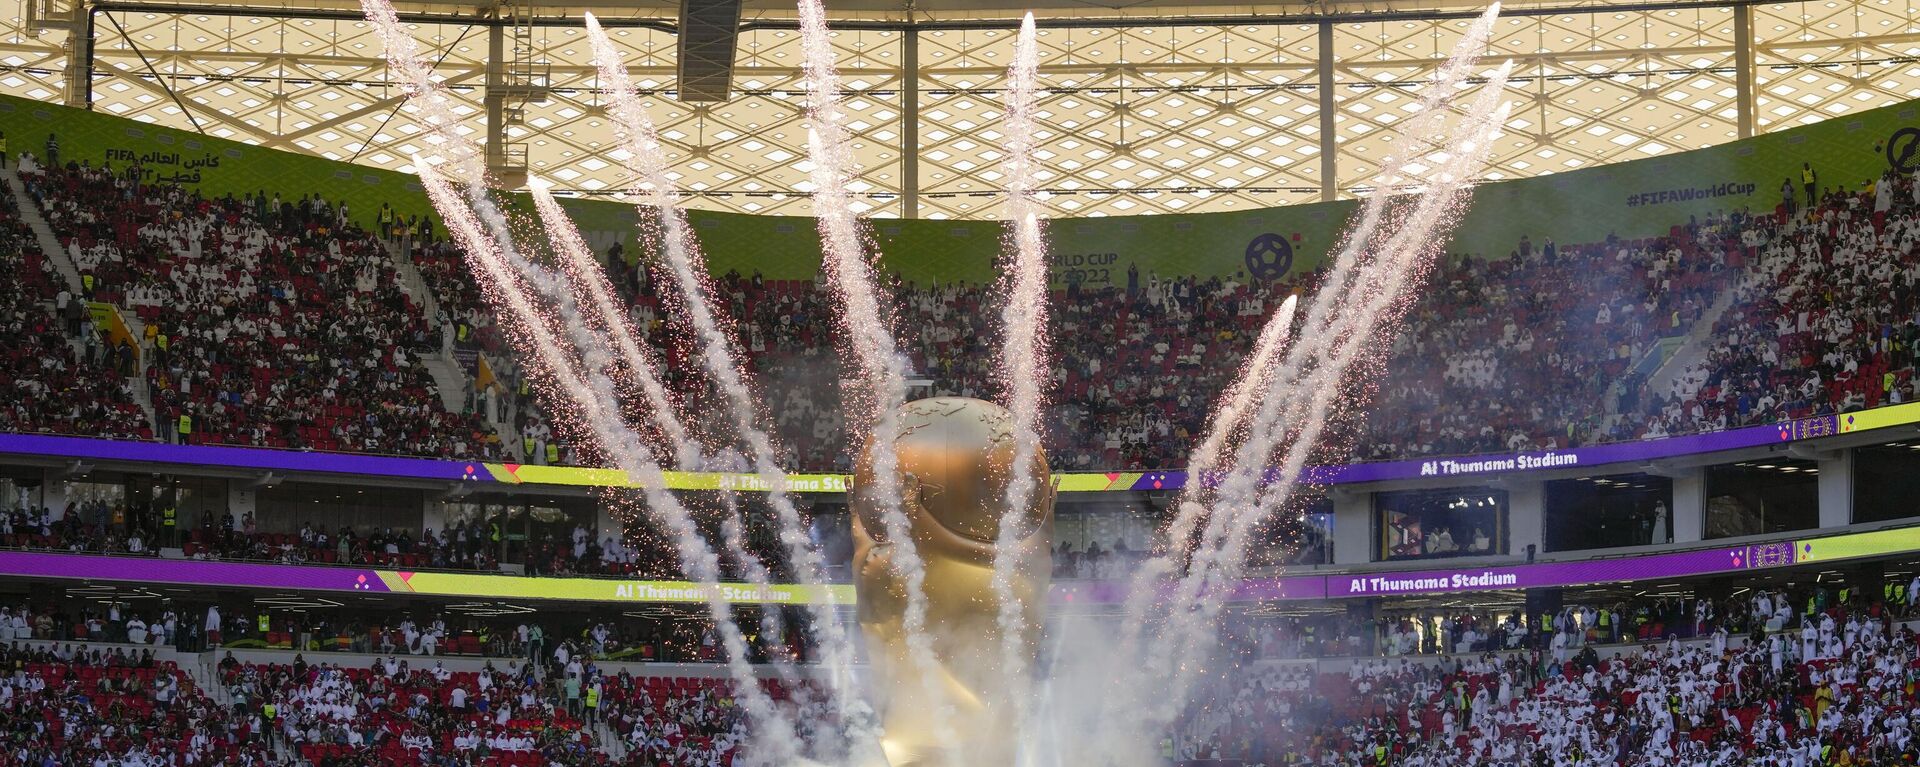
[[188, 572], [1597, 455], [242, 457], [1570, 573], [1292, 587], [1469, 579], [1465, 467]]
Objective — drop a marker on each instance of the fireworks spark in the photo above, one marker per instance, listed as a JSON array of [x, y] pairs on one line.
[[882, 372], [1023, 364], [688, 269]]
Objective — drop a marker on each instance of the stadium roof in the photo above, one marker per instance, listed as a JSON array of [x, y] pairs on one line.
[[944, 12], [1150, 107]]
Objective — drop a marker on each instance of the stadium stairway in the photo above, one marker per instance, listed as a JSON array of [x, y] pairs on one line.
[[411, 282], [42, 232], [447, 373], [610, 741], [1694, 349], [505, 370], [450, 379]]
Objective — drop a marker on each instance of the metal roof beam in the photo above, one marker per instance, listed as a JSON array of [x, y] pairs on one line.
[[709, 30]]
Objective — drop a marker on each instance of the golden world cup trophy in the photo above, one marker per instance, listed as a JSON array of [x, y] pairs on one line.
[[956, 456]]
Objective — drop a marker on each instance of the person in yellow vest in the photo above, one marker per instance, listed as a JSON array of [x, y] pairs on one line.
[[593, 701], [267, 712], [384, 220], [3, 149], [266, 624], [1810, 181], [169, 522], [87, 283], [526, 449], [553, 454], [184, 429]]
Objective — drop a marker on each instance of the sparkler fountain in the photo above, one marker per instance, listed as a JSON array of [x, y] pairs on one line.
[[952, 497]]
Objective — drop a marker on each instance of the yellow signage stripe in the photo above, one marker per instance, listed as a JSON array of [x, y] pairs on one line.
[[482, 586], [582, 476]]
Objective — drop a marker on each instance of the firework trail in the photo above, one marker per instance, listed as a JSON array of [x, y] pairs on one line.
[[882, 372], [591, 290], [593, 393], [1420, 241], [416, 78], [1193, 505], [733, 535], [1305, 388], [1232, 413], [1229, 419], [1299, 390], [1398, 262], [648, 159], [1023, 366], [1262, 435], [1426, 121]]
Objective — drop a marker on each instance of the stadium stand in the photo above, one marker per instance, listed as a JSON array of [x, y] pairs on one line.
[[397, 713], [57, 368], [1535, 323], [1530, 322], [1774, 676], [1837, 691], [73, 705], [240, 278], [232, 294], [1822, 321]]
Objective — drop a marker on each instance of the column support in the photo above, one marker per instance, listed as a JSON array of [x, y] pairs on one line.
[[1329, 148], [910, 124]]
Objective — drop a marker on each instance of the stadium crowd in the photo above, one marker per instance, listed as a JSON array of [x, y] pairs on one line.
[[264, 321], [398, 713], [1823, 320], [1823, 675], [274, 321], [1828, 685], [57, 370], [71, 705], [1131, 389]]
